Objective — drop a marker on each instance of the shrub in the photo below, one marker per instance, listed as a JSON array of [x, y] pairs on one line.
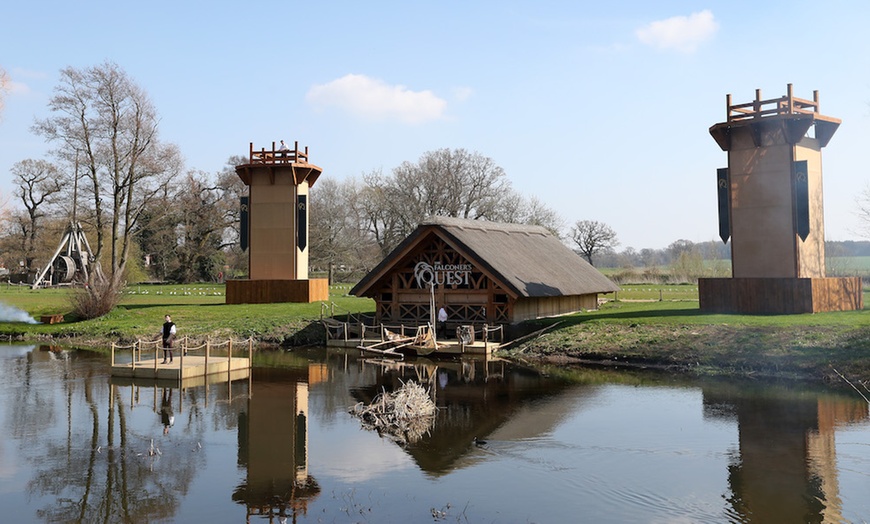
[[95, 299]]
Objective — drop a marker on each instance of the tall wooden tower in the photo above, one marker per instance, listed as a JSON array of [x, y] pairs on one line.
[[771, 206], [275, 228]]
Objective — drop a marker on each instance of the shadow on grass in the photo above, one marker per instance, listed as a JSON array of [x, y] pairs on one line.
[[633, 314]]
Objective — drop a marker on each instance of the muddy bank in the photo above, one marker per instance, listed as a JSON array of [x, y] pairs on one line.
[[812, 352]]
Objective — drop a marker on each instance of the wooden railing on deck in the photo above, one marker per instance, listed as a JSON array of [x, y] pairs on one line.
[[278, 156], [784, 105]]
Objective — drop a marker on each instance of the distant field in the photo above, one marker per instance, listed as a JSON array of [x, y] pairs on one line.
[[835, 267], [848, 266], [673, 292]]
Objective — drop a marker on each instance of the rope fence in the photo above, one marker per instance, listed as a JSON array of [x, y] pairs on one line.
[[184, 348]]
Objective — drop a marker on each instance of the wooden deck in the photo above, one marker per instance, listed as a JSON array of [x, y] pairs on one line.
[[181, 368], [445, 347], [356, 334], [143, 360]]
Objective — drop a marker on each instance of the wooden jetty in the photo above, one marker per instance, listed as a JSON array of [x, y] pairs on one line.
[[142, 360], [394, 341]]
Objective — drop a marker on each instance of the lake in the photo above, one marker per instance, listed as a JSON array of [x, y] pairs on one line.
[[508, 444]]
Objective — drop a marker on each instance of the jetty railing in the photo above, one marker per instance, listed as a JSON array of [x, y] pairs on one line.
[[358, 331], [183, 349]]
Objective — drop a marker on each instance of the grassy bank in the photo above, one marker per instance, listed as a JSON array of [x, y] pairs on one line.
[[677, 335], [198, 310], [648, 326]]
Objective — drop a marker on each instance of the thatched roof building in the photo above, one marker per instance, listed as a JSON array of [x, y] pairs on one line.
[[484, 272]]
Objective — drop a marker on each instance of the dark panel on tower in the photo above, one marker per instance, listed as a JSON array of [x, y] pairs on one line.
[[244, 203], [723, 185], [801, 198], [301, 221]]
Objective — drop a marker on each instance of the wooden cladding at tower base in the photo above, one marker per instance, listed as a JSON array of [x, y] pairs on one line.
[[780, 295], [271, 291]]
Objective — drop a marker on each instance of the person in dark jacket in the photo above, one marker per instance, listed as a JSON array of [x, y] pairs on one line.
[[168, 335]]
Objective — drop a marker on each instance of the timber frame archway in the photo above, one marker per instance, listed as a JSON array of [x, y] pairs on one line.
[[483, 273]]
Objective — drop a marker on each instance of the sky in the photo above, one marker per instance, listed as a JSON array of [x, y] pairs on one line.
[[601, 110]]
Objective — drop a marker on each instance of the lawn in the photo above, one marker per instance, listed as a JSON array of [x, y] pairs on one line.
[[198, 310]]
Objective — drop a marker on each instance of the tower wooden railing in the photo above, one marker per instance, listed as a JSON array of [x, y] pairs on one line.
[[277, 155], [784, 105]]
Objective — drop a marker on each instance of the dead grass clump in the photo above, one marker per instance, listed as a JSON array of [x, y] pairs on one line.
[[96, 299], [403, 416]]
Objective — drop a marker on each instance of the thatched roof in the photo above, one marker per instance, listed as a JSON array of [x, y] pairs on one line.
[[528, 261]]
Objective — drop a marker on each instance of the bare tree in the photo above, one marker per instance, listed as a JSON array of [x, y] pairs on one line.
[[592, 237], [4, 87], [381, 214], [330, 226], [106, 120], [36, 181], [532, 211], [200, 229], [862, 201]]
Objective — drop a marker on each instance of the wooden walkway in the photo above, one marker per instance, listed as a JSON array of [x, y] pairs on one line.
[[355, 334], [142, 360]]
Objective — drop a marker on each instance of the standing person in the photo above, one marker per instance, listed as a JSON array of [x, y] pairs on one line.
[[168, 335], [442, 321], [283, 147]]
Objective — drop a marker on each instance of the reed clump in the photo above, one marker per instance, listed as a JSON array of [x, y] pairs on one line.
[[404, 416]]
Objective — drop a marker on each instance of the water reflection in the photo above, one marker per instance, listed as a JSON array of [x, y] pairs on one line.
[[607, 446], [273, 446], [474, 397], [786, 466]]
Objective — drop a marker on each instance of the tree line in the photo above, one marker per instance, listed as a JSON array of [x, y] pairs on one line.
[[148, 217]]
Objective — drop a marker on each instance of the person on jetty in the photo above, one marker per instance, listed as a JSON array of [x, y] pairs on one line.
[[168, 335], [442, 322]]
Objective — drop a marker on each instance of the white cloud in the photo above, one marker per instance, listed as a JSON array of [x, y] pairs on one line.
[[680, 33], [372, 98], [462, 93]]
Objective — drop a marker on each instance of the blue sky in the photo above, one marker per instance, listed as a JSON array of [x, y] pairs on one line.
[[600, 109]]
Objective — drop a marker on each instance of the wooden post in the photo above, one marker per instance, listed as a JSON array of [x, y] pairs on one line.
[[183, 350], [113, 354], [728, 106], [250, 355], [207, 348]]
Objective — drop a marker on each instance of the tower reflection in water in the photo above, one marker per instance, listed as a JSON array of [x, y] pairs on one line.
[[786, 467], [273, 446]]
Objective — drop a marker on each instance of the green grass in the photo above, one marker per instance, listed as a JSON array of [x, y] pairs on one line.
[[198, 310], [637, 329], [678, 335], [647, 292]]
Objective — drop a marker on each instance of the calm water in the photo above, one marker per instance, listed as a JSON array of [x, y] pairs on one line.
[[592, 446]]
